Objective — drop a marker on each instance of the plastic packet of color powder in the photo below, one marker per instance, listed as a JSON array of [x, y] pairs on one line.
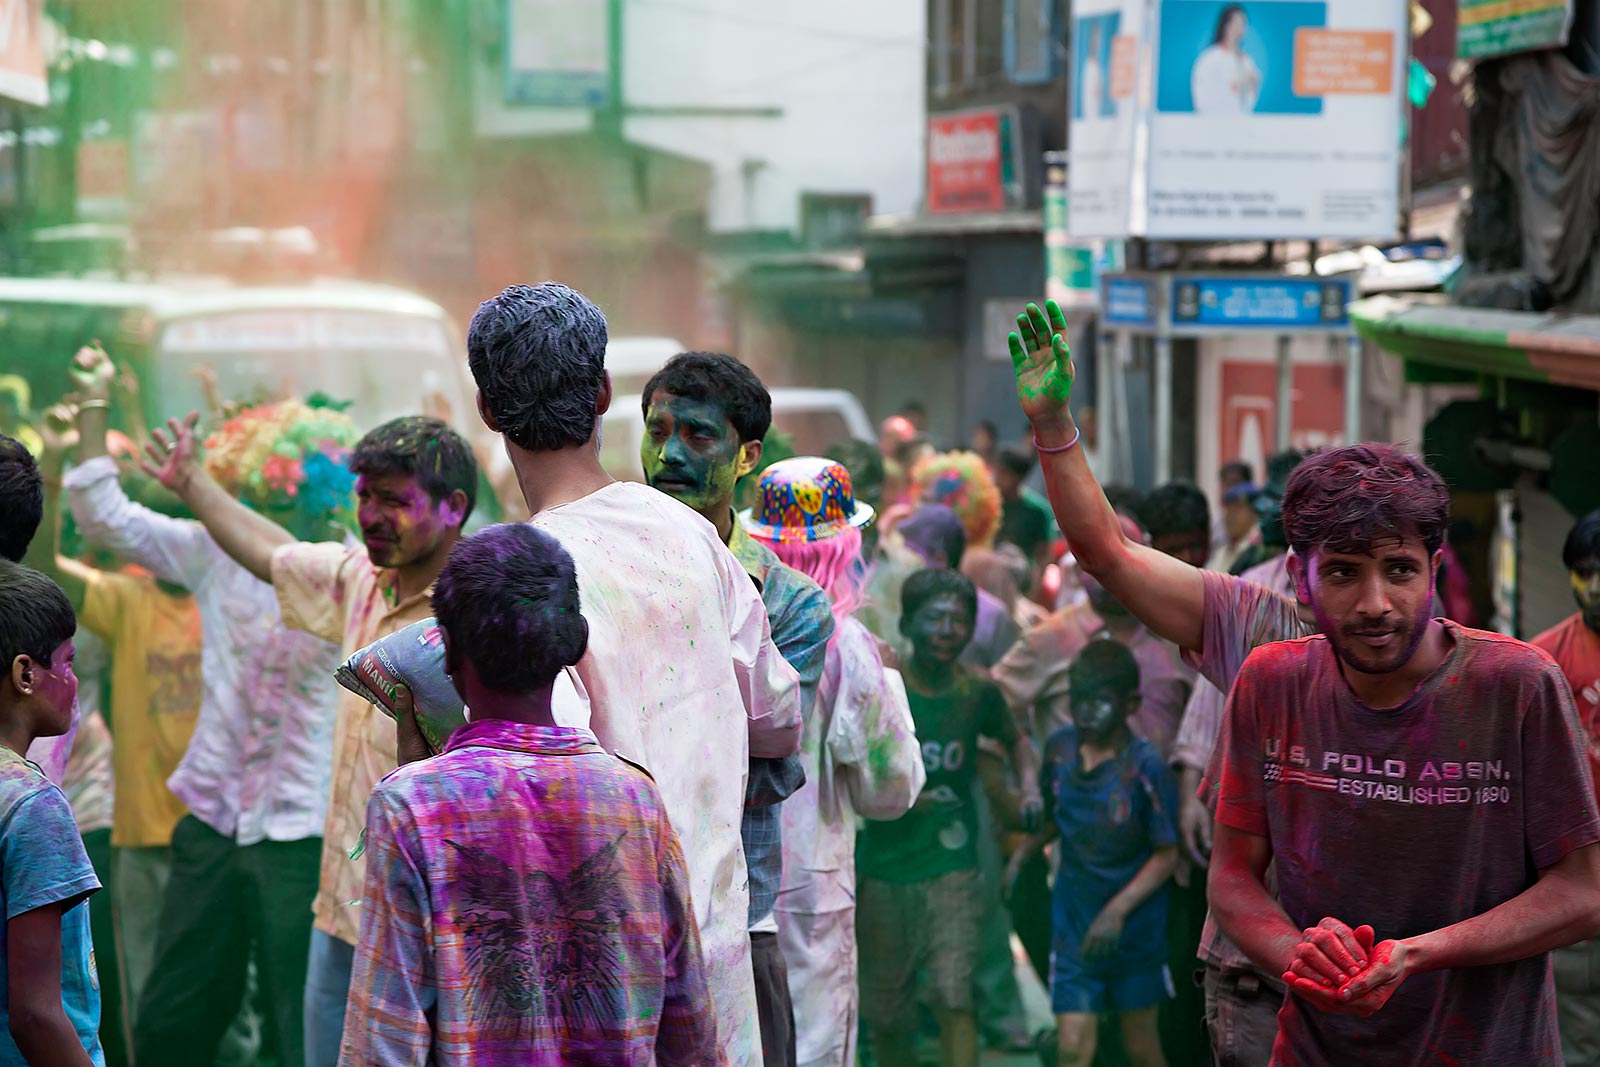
[[412, 658]]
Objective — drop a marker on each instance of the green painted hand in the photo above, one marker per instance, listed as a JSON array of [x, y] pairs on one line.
[[1042, 363]]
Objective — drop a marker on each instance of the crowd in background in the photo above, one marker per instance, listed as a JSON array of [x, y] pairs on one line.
[[749, 785]]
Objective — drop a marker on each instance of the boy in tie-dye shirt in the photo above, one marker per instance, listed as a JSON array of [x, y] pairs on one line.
[[526, 900]]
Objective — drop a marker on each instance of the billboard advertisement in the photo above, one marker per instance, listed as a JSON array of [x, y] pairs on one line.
[[22, 73], [557, 54], [1106, 69], [1496, 28], [1267, 119]]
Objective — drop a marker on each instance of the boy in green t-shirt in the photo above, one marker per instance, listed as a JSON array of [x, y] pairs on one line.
[[918, 905]]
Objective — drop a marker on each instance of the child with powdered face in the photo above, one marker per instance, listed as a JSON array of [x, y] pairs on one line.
[[524, 890], [1112, 802], [50, 996]]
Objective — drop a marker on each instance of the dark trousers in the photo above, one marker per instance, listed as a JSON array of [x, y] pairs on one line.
[[773, 1006], [103, 929], [1031, 915], [223, 903], [1183, 1027]]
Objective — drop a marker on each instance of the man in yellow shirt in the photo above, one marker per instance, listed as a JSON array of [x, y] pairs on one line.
[[152, 629]]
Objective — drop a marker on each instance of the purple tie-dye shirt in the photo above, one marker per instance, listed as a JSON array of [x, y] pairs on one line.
[[526, 903]]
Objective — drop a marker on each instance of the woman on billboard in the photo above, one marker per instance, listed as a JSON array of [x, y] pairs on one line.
[[1225, 80]]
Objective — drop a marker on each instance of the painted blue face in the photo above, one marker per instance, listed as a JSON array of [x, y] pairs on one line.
[[940, 629]]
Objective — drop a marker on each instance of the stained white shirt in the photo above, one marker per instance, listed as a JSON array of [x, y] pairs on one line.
[[862, 759], [1224, 82], [682, 677], [258, 765]]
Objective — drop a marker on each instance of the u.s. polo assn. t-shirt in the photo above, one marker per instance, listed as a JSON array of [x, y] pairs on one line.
[[1411, 819]]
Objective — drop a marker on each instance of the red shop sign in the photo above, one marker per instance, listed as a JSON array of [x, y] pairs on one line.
[[964, 163]]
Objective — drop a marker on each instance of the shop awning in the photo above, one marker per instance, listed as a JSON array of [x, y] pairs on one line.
[[1426, 329], [976, 223]]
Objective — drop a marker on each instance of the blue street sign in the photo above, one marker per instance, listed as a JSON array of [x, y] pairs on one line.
[[1260, 303], [1129, 302]]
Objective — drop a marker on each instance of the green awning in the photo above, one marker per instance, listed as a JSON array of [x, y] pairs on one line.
[[1426, 329]]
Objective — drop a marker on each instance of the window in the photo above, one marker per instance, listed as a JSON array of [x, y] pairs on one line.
[[954, 54], [1032, 41]]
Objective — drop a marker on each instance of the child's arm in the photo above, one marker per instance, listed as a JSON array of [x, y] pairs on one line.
[[997, 721], [1035, 843], [688, 1033], [1106, 931], [39, 1023]]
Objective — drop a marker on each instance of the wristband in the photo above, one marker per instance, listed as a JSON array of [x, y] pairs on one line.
[[103, 405], [1058, 449]]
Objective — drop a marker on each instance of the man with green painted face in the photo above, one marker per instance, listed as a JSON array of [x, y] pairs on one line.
[[1575, 646], [706, 416], [919, 902]]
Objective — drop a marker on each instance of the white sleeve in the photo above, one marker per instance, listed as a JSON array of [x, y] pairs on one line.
[[769, 687], [173, 550]]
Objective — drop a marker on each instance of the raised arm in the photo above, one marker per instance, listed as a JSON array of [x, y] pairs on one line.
[[1162, 592], [171, 549], [248, 537], [44, 553]]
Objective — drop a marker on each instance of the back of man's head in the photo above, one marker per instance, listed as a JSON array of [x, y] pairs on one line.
[[1348, 499], [935, 532], [1018, 462], [21, 499], [720, 379], [538, 354], [508, 602], [1583, 542]]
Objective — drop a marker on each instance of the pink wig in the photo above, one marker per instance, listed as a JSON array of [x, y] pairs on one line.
[[834, 563]]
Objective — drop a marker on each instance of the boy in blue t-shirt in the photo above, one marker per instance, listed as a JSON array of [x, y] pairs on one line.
[[1113, 803], [49, 993]]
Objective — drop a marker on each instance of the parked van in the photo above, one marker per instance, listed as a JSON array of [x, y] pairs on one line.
[[385, 351]]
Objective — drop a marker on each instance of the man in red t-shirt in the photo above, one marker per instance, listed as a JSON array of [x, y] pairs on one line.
[[1419, 785], [1575, 646]]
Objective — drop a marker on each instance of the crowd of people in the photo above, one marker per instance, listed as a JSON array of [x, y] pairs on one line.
[[764, 758]]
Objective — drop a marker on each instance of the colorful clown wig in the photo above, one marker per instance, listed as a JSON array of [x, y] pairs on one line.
[[835, 564], [288, 455], [962, 482]]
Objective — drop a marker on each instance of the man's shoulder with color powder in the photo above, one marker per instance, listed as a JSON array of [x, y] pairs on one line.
[[1500, 656], [1280, 661]]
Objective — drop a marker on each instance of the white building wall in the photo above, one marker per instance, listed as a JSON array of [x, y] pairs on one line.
[[847, 75]]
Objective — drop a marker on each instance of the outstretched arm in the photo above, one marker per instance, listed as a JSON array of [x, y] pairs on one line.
[[1164, 593], [243, 534], [44, 554]]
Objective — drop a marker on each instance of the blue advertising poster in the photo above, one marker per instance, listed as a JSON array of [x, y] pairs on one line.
[[1129, 302], [1223, 58], [1260, 303], [1091, 66]]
